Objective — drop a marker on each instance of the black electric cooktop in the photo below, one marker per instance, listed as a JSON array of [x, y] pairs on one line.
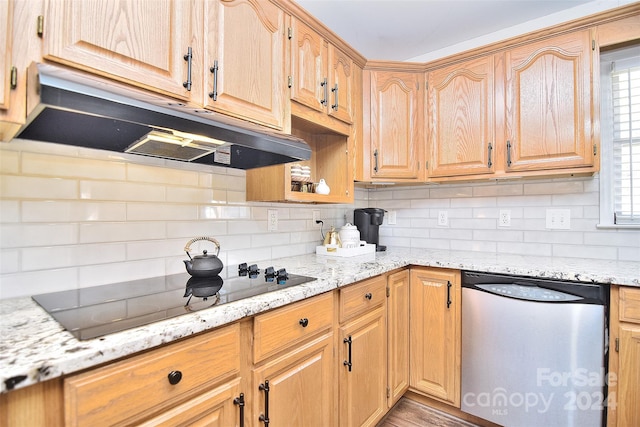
[[96, 311]]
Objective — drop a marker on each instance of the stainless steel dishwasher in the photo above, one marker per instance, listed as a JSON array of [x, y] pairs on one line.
[[534, 351]]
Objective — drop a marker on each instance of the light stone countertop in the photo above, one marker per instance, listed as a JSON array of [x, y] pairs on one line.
[[35, 348]]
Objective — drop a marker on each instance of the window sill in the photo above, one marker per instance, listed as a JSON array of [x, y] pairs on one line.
[[618, 226]]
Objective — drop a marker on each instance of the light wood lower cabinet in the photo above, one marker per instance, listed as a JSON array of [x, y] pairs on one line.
[[153, 385], [293, 365], [397, 335], [362, 354], [435, 333], [624, 358]]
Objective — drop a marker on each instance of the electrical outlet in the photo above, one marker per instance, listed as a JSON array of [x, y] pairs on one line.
[[443, 218], [558, 219], [504, 220], [316, 215], [393, 218], [272, 219]]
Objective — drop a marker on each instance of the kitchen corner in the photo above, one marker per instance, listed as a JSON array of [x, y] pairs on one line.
[[36, 348]]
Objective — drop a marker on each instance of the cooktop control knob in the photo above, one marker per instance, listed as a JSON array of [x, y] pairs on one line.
[[282, 276], [269, 274], [242, 269], [254, 271]]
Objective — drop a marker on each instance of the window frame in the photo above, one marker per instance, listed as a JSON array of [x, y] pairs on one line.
[[607, 202]]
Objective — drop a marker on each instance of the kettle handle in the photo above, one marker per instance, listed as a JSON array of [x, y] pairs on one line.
[[187, 247]]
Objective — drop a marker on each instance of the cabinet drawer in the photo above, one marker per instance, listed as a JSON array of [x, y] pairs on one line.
[[630, 304], [292, 324], [138, 387], [359, 298]]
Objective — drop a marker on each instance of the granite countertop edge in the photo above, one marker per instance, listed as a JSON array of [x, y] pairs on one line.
[[35, 348]]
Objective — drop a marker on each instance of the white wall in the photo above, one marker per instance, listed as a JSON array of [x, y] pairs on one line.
[[72, 217]]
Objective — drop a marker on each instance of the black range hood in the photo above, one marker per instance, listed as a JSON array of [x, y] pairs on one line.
[[75, 108]]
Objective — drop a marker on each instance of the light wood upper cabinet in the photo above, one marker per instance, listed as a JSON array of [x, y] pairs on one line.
[[321, 74], [393, 126], [244, 60], [435, 333], [6, 39], [549, 104], [139, 42], [461, 119]]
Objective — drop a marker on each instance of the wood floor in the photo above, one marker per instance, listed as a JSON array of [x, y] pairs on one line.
[[407, 413]]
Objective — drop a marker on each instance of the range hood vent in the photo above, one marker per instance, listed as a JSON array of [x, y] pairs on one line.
[[74, 108]]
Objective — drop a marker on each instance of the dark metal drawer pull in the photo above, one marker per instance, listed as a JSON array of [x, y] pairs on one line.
[[368, 296], [265, 417], [304, 322], [448, 294], [240, 402], [174, 377], [347, 363], [188, 57]]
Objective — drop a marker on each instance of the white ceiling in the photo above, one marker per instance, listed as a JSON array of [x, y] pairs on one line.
[[422, 30]]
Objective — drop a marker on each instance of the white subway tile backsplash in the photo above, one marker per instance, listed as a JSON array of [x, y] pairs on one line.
[[190, 229], [51, 257], [9, 261], [501, 189], [38, 282], [518, 248], [629, 254], [459, 245], [29, 187], [103, 274], [500, 235], [25, 235], [9, 162], [157, 212], [122, 231], [9, 211], [122, 191], [189, 195], [585, 251], [553, 187], [72, 167], [162, 175], [72, 211], [450, 192]]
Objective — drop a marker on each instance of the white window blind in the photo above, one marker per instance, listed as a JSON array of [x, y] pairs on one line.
[[621, 124]]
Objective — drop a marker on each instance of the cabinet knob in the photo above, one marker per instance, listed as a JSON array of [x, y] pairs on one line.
[[174, 377], [304, 322], [368, 296]]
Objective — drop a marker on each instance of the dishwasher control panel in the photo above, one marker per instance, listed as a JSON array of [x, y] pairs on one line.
[[531, 293]]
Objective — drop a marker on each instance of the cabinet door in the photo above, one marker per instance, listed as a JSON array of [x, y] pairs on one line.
[[140, 42], [363, 382], [340, 85], [214, 408], [300, 386], [628, 398], [435, 333], [395, 128], [398, 335], [245, 47], [461, 119], [5, 50], [549, 103], [308, 66]]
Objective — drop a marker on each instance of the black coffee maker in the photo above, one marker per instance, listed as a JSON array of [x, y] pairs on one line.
[[368, 220]]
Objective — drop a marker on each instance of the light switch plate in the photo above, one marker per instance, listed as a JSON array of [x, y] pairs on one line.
[[558, 219]]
